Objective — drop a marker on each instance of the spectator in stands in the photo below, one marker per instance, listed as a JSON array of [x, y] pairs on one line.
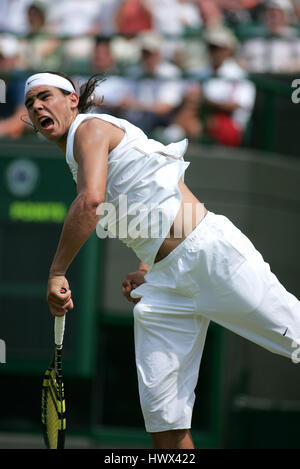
[[189, 16], [12, 110], [103, 60], [227, 95], [133, 16], [171, 17], [238, 12], [106, 19], [76, 22], [191, 55], [152, 63], [72, 18], [296, 7], [111, 92], [155, 86], [176, 20], [186, 121], [278, 49], [39, 48], [36, 16], [13, 16], [211, 14], [221, 105], [114, 87]]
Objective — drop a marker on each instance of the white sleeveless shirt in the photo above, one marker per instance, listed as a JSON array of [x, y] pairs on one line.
[[142, 197]]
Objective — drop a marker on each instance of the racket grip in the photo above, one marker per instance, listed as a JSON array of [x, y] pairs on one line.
[[59, 329], [59, 326]]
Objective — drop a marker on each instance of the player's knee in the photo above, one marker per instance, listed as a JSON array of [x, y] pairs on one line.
[[162, 414]]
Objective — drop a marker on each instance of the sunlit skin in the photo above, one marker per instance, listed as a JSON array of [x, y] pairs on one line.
[[48, 101], [91, 146], [93, 141], [52, 113]]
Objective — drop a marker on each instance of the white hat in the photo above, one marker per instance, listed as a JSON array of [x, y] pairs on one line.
[[149, 41], [9, 46], [220, 37]]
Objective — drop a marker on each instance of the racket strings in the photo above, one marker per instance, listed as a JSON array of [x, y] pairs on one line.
[[52, 419], [53, 409]]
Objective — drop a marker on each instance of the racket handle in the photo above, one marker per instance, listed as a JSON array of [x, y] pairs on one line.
[[59, 326], [59, 329]]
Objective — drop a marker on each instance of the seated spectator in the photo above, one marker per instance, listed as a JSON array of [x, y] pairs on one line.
[[296, 7], [39, 48], [103, 60], [155, 87], [111, 92], [125, 50], [36, 16], [278, 48], [211, 14], [228, 96], [133, 16], [221, 107], [106, 18], [114, 87], [13, 16], [191, 54], [237, 12], [186, 121], [74, 21], [12, 110], [152, 63], [72, 18], [189, 16], [172, 17]]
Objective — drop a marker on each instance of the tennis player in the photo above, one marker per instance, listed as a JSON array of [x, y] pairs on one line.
[[196, 266]]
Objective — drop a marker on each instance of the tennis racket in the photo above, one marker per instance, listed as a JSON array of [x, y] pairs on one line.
[[53, 396]]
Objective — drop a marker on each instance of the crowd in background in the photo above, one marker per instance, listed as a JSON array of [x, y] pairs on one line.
[[175, 68]]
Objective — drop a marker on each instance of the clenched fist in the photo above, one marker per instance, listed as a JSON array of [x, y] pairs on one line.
[[132, 281]]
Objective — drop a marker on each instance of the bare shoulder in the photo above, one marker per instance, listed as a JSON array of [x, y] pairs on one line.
[[99, 131], [95, 125]]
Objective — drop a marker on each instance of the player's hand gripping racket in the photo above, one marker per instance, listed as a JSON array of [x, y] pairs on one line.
[[53, 398]]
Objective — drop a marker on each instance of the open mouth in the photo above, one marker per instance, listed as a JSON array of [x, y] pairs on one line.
[[46, 123]]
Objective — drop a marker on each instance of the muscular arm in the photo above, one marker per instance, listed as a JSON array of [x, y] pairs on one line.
[[143, 266], [91, 146]]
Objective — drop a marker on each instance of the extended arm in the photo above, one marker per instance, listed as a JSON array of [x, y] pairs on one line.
[[91, 147]]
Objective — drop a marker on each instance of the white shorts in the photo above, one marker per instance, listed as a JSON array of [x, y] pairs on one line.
[[214, 274]]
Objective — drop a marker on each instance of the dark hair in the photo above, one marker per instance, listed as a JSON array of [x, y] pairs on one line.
[[87, 99]]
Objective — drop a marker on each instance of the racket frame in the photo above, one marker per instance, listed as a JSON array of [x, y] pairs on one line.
[[54, 386]]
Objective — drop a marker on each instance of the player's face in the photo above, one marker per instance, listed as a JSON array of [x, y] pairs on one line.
[[50, 111]]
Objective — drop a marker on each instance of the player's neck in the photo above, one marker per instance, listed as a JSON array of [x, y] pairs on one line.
[[62, 141]]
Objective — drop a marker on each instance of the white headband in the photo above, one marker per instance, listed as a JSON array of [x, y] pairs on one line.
[[48, 79]]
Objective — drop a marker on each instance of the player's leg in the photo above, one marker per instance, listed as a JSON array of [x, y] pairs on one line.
[[257, 307], [172, 439], [237, 289], [169, 341]]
